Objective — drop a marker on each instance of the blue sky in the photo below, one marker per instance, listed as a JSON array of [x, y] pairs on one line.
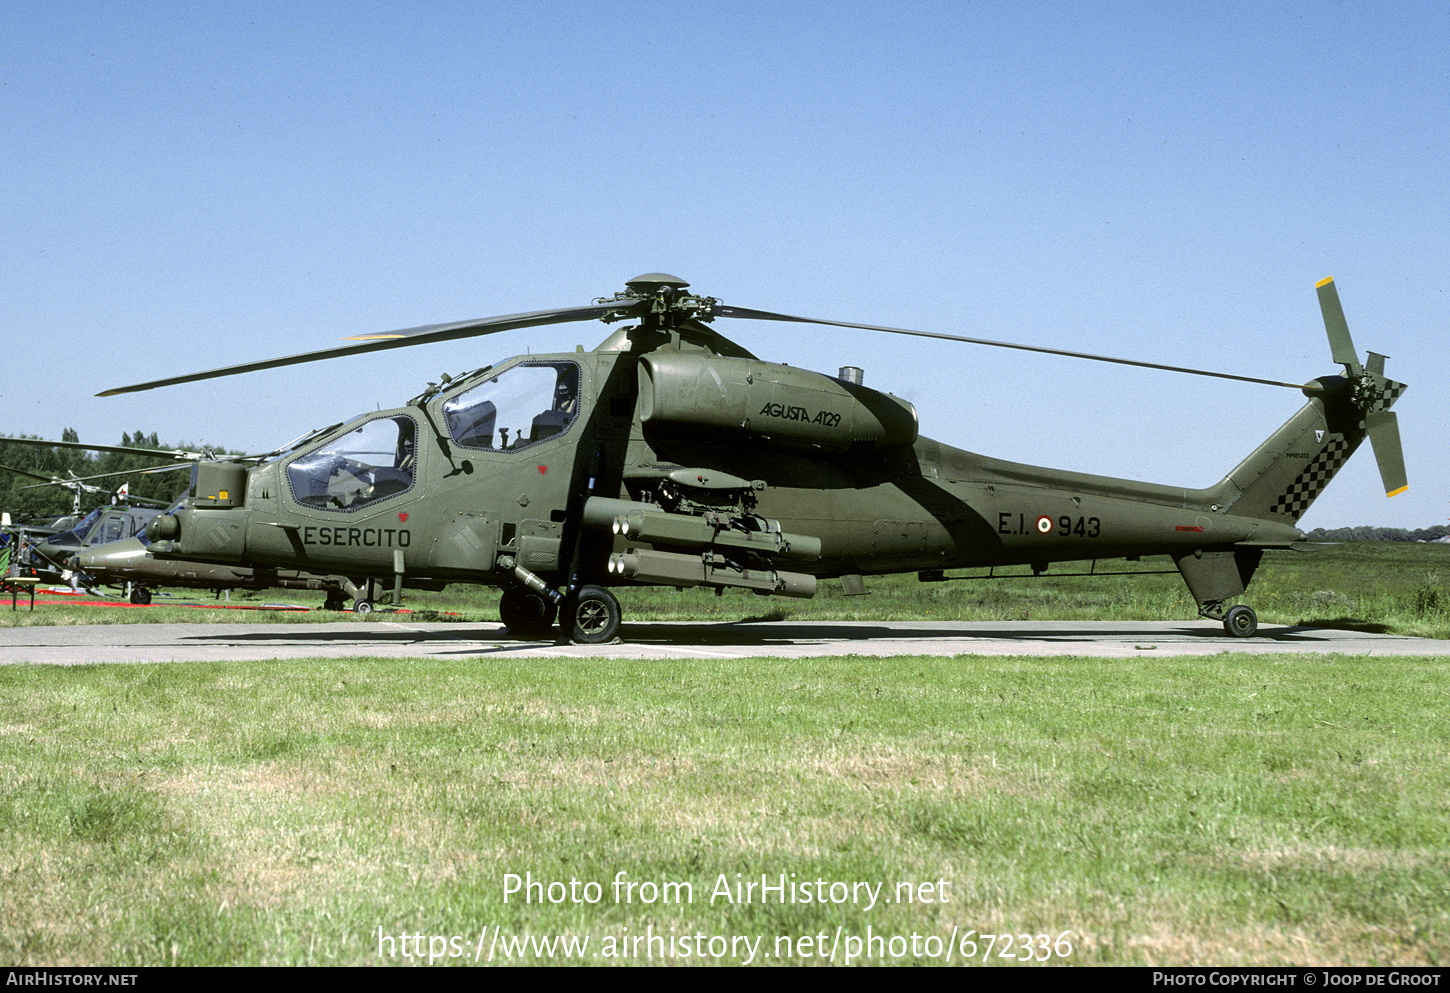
[[193, 185]]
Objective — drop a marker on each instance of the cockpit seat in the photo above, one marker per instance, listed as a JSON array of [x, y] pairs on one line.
[[478, 431], [548, 424]]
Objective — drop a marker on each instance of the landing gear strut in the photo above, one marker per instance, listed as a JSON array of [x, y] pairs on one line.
[[590, 613]]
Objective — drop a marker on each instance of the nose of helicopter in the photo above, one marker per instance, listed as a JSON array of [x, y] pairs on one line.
[[115, 556]]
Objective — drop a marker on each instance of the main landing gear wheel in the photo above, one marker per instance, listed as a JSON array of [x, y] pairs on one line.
[[140, 595], [526, 614], [592, 618], [1241, 621], [334, 603], [361, 606]]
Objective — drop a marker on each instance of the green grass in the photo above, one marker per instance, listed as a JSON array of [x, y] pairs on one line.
[[1219, 810], [1393, 587], [1216, 810]]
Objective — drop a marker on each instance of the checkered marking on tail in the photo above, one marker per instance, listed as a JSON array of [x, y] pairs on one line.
[[1316, 474], [1388, 395]]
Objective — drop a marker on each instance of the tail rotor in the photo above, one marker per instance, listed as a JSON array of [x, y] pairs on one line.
[[1370, 391]]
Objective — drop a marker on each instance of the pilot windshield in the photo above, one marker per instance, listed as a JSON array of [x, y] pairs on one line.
[[77, 535], [519, 407], [297, 444], [368, 464]]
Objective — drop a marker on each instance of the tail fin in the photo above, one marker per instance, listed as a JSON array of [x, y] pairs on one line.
[[1277, 483], [1284, 475]]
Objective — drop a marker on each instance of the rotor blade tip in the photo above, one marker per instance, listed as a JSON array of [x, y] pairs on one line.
[[1395, 493], [1324, 281]]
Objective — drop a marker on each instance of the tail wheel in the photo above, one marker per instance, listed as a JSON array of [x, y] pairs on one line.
[[140, 595], [1241, 621], [526, 614], [593, 616]]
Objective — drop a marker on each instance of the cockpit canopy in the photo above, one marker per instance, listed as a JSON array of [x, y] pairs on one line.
[[521, 406], [78, 534], [372, 462]]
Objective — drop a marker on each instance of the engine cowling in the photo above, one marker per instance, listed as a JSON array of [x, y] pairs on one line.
[[737, 397]]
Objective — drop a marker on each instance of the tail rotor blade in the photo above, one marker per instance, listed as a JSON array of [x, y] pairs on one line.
[[1384, 435], [1341, 345]]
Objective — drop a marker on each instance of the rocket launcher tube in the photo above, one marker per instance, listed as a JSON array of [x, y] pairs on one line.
[[673, 569], [641, 522]]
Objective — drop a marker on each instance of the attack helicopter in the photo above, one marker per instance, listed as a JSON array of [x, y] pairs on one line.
[[54, 551], [670, 455], [123, 518], [129, 563], [109, 547], [57, 554]]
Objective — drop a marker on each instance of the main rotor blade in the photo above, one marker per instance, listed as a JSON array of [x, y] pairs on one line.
[[124, 472], [26, 472], [762, 315], [426, 334], [1341, 345], [174, 454], [74, 485], [1384, 437]]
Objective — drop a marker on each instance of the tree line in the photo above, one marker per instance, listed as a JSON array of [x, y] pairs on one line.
[[1367, 533]]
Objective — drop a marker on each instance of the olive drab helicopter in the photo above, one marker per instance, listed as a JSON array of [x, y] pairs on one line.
[[669, 455], [129, 563], [54, 551], [109, 546], [125, 518]]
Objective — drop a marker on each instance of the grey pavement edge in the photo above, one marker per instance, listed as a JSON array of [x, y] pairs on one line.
[[400, 638]]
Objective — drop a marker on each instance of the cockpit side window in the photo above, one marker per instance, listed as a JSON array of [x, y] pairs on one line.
[[82, 529], [521, 406], [370, 463], [113, 529]]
